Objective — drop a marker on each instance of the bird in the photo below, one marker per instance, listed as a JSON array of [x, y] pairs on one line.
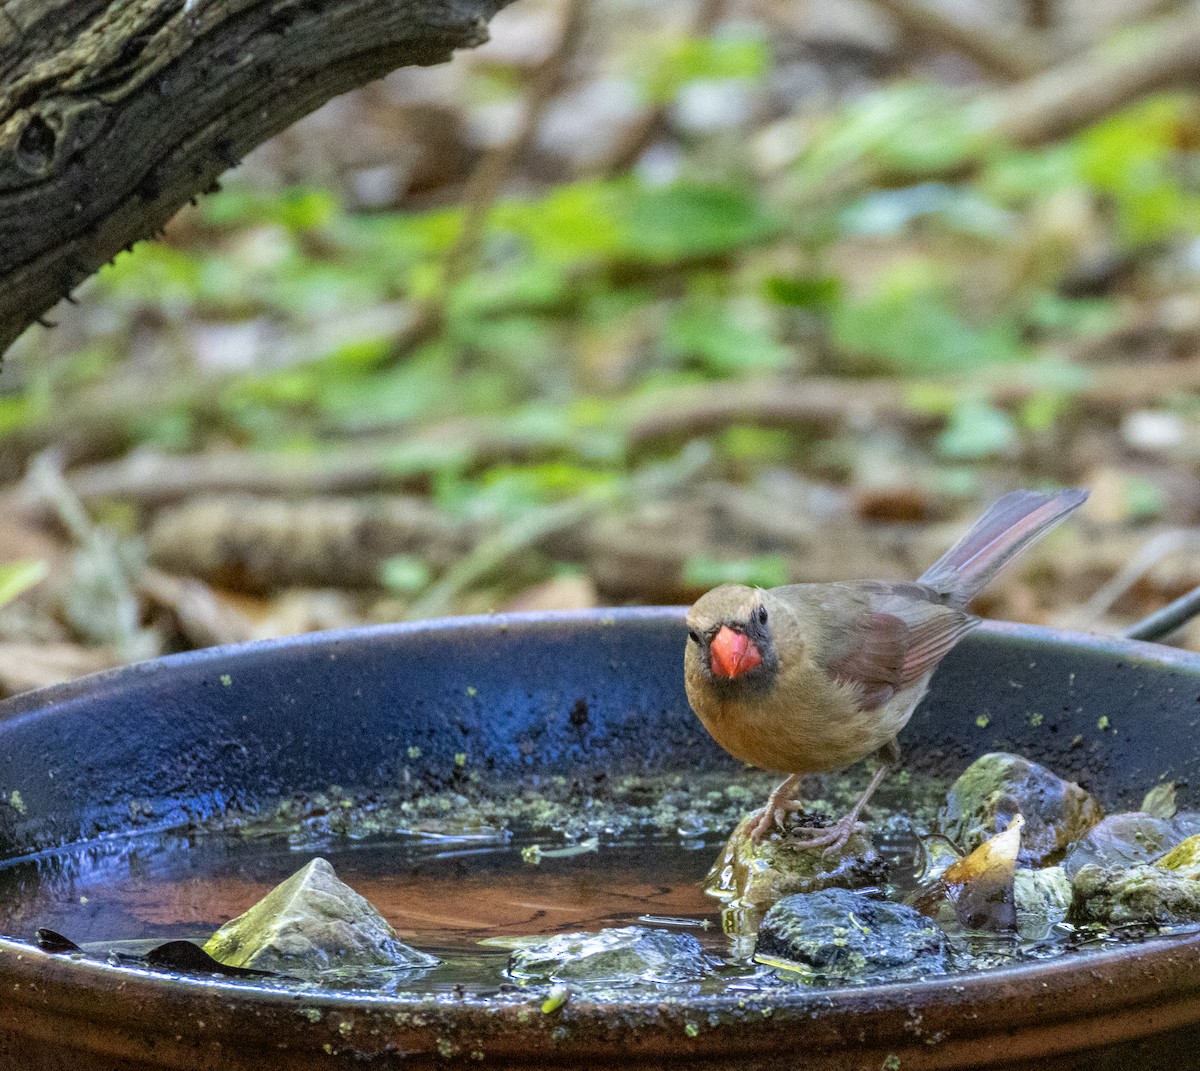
[[812, 678]]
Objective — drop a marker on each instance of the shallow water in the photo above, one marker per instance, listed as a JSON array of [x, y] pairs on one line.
[[444, 894]]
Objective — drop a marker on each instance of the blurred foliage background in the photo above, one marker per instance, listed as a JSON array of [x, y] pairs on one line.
[[635, 299]]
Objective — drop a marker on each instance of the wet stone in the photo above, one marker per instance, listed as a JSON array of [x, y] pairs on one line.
[[1131, 837], [1042, 899], [621, 956], [998, 786], [751, 877], [844, 936], [1142, 893], [312, 922]]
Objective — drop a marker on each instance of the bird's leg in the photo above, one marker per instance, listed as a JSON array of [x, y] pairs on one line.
[[780, 803], [833, 838]]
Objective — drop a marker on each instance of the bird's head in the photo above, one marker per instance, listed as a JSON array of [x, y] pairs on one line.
[[729, 636]]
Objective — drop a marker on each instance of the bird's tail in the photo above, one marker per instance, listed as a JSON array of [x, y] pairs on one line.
[[1006, 528]]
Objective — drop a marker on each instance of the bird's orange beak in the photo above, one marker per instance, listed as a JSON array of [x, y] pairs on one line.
[[732, 653]]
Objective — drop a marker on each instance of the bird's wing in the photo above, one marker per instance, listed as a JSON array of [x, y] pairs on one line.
[[898, 635]]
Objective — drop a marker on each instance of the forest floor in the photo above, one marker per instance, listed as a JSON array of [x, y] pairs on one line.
[[762, 292]]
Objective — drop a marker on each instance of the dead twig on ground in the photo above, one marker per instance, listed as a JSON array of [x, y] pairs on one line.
[[1155, 550], [98, 600], [1009, 57], [260, 544], [1088, 87], [203, 618], [487, 181], [493, 552], [651, 123], [388, 463], [26, 666]]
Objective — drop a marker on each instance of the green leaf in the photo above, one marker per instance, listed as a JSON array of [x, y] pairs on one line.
[[763, 571], [172, 429], [396, 396], [18, 411], [529, 285], [405, 573], [804, 292], [1144, 500], [722, 338], [910, 324], [687, 220], [510, 491], [1041, 411], [977, 431], [18, 577], [758, 445], [1013, 177], [396, 242], [295, 209], [574, 222], [1134, 158], [523, 341], [728, 55], [908, 129], [152, 273], [1078, 317]]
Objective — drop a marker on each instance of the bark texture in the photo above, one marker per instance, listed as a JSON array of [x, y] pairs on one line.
[[113, 113]]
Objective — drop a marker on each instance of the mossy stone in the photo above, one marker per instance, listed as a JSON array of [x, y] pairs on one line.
[[846, 936], [1042, 899], [751, 877], [1128, 838], [998, 786], [1150, 895], [312, 922]]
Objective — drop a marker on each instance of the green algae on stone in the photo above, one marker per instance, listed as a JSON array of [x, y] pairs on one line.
[[309, 923], [1141, 894], [1042, 899], [659, 804], [1128, 838], [751, 877], [1183, 859], [997, 786]]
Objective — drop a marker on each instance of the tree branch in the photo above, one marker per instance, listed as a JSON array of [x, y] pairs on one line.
[[113, 113]]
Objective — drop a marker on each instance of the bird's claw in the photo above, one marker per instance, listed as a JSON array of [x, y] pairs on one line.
[[832, 838], [772, 816]]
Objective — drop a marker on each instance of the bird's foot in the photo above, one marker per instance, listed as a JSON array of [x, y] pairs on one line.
[[772, 817], [832, 838]]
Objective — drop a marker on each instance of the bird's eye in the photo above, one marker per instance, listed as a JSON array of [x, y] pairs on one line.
[[761, 615], [693, 635]]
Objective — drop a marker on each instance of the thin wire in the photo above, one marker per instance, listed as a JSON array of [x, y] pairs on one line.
[[1161, 624]]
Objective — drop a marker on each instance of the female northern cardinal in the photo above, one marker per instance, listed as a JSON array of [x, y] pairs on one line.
[[813, 677]]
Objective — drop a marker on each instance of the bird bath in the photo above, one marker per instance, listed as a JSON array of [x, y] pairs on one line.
[[329, 735]]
